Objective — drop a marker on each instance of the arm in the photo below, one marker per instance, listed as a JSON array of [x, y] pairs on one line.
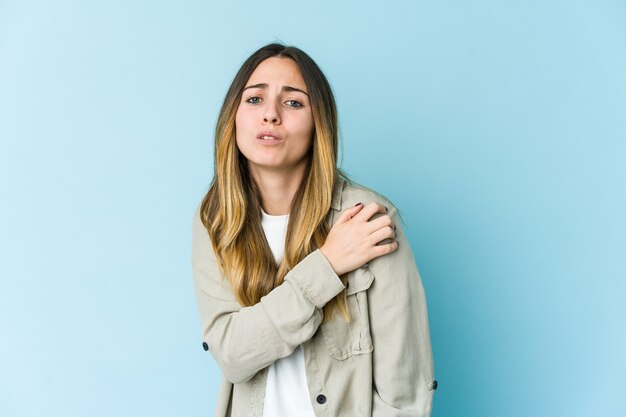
[[245, 340], [403, 381]]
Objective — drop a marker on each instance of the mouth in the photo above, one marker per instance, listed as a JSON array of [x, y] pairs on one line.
[[268, 138], [268, 134]]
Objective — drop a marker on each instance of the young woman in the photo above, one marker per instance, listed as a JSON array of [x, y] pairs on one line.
[[308, 293]]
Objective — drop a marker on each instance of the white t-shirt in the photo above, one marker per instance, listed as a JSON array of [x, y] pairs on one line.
[[286, 392]]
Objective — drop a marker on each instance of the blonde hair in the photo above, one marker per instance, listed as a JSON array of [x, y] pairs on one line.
[[231, 209]]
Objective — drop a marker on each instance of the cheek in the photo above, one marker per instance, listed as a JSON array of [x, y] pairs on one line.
[[240, 129], [310, 132], [239, 119], [242, 124], [307, 127]]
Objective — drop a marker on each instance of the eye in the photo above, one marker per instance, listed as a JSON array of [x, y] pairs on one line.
[[253, 100], [295, 103]]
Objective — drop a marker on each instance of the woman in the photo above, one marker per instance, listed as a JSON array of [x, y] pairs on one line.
[[309, 296]]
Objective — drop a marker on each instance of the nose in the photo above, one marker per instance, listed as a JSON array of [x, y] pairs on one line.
[[270, 113]]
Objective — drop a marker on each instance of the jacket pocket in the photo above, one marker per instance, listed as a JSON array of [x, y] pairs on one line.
[[345, 339]]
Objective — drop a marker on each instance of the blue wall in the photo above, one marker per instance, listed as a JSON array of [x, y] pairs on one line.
[[507, 122]]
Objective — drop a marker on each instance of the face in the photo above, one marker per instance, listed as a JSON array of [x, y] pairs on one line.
[[274, 123]]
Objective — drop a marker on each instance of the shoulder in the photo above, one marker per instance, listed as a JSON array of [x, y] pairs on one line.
[[197, 224], [201, 246], [354, 192]]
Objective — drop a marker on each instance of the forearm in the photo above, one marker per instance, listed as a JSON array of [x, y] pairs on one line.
[[245, 340]]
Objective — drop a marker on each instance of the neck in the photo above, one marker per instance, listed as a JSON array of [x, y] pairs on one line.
[[277, 188]]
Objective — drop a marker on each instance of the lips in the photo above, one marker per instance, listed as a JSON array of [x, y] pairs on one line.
[[268, 135]]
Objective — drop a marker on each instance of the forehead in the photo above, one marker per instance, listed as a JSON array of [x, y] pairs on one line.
[[278, 71]]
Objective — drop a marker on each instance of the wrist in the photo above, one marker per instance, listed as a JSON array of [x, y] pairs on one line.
[[328, 257]]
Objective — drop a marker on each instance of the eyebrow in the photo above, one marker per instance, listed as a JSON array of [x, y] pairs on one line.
[[285, 88]]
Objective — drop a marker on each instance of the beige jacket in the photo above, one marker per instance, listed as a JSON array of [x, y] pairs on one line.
[[379, 365]]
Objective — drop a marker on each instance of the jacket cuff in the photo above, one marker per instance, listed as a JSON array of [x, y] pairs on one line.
[[317, 278]]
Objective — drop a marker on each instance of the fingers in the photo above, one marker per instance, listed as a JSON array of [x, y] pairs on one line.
[[349, 213], [382, 234], [381, 250], [380, 222], [369, 210]]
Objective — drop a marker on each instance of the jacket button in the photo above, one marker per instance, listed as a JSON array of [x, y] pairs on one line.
[[321, 399], [435, 385], [205, 346]]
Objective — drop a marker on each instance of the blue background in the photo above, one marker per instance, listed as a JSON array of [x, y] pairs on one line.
[[498, 128]]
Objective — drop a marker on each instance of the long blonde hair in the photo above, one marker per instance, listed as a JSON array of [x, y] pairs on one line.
[[231, 209]]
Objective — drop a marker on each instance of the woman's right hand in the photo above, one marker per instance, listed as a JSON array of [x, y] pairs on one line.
[[352, 241]]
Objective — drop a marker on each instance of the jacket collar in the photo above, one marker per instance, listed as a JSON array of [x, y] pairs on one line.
[[337, 191]]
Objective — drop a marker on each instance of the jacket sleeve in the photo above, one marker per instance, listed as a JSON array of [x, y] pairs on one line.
[[244, 340], [403, 369]]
